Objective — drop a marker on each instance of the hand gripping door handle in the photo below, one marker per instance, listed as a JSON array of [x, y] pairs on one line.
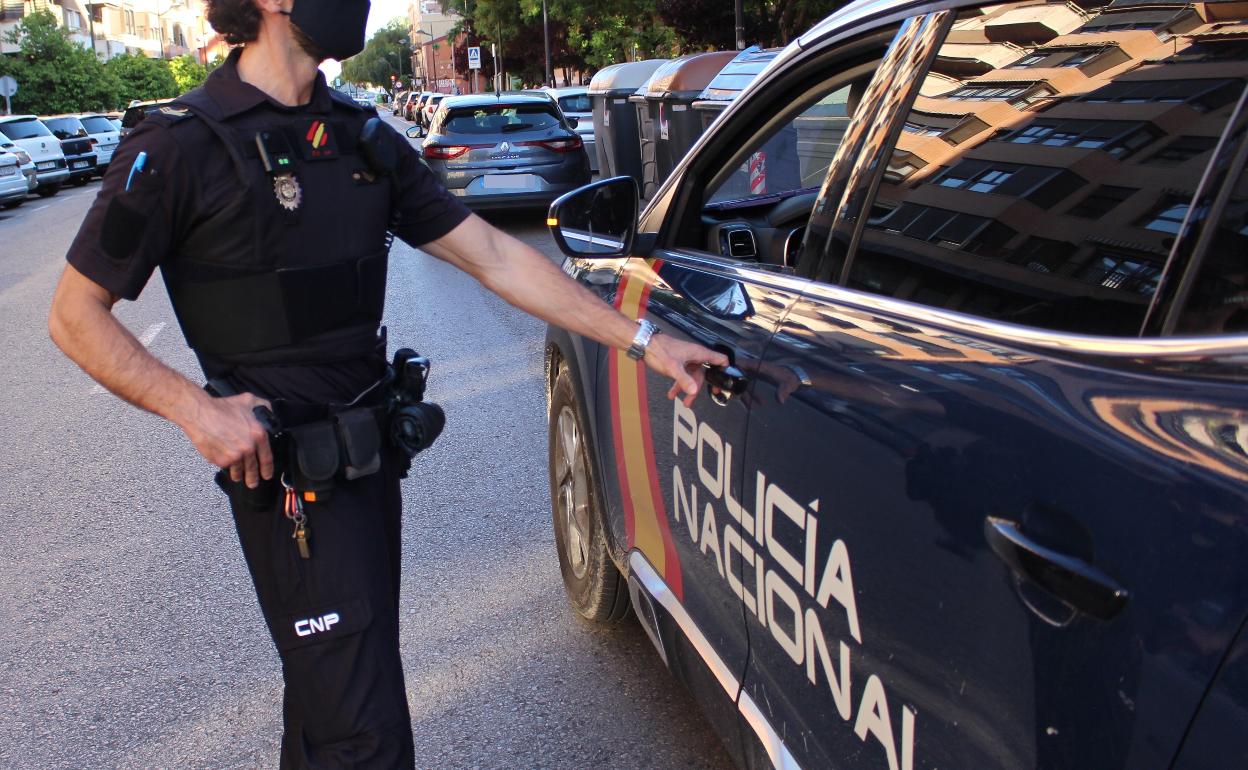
[[728, 380], [1072, 580]]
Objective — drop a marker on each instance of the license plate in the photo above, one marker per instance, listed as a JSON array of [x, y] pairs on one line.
[[8, 170], [47, 165], [80, 164], [507, 181]]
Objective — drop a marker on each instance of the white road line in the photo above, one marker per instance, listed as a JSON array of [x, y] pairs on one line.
[[40, 208], [145, 339]]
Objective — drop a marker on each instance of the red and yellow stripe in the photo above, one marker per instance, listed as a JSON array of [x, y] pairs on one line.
[[645, 515], [316, 135]]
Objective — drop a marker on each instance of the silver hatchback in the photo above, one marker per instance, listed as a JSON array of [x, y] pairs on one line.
[[505, 151]]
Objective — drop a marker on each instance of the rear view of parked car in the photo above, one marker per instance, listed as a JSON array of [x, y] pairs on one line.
[[104, 138], [77, 145], [512, 150], [26, 166], [13, 185], [575, 104], [426, 109], [28, 133]]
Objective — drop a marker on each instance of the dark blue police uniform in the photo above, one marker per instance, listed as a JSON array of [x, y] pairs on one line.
[[270, 229]]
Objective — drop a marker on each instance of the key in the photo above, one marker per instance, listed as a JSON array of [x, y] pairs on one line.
[[301, 540]]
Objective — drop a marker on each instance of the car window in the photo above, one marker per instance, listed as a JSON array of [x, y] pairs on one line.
[[575, 103], [1218, 303], [793, 157], [24, 129], [1045, 169], [501, 118], [132, 117], [98, 125], [65, 128]]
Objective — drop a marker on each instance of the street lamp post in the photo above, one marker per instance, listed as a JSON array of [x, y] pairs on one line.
[[428, 75]]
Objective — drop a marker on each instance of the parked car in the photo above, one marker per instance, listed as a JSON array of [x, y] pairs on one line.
[[137, 111], [25, 163], [104, 137], [428, 106], [26, 132], [499, 151], [397, 105], [574, 101], [409, 105], [77, 144], [973, 492], [13, 184]]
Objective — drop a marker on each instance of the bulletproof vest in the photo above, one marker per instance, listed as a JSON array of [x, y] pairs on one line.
[[299, 250]]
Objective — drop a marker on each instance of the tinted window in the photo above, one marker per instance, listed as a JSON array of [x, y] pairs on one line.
[[24, 129], [1218, 303], [65, 128], [1051, 202], [575, 103], [133, 117], [98, 125], [498, 118]]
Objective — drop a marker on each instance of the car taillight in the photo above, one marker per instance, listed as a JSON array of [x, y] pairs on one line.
[[449, 151], [558, 145], [94, 141]]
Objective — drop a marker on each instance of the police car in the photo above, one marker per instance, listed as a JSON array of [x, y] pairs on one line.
[[973, 492]]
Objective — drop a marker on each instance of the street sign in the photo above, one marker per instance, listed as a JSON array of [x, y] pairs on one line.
[[8, 87], [474, 57]]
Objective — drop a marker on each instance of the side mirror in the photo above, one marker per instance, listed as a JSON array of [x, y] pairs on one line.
[[597, 220], [414, 132], [574, 122]]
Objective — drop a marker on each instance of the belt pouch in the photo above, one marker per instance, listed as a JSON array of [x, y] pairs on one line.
[[314, 460], [361, 442]]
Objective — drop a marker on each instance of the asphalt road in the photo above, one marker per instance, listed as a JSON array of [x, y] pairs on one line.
[[129, 632]]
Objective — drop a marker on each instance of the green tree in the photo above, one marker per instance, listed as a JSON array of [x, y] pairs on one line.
[[187, 72], [387, 53], [54, 75], [143, 78]]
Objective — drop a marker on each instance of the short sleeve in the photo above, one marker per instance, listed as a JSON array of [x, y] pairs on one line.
[[132, 226], [426, 210]]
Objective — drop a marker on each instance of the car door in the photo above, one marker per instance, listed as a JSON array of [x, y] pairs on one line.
[[718, 271], [1014, 525]]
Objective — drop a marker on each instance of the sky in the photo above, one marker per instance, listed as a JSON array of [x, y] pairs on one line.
[[379, 16]]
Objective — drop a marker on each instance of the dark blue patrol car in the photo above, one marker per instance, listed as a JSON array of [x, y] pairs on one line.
[[974, 493]]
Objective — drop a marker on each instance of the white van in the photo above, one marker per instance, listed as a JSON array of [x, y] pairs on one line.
[[27, 132]]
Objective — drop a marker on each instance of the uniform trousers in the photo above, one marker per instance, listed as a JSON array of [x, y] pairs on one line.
[[334, 619]]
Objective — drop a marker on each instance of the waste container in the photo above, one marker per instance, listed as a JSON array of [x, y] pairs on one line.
[[666, 101], [615, 120], [775, 165]]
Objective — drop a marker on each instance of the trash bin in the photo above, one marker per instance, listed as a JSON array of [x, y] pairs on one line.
[[775, 165], [615, 120], [665, 102]]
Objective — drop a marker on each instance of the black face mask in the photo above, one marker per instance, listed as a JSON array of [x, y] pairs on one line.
[[335, 27]]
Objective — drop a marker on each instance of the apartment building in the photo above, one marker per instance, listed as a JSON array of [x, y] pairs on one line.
[[433, 44], [161, 29]]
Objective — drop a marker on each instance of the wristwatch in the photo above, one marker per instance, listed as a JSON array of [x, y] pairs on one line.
[[645, 331]]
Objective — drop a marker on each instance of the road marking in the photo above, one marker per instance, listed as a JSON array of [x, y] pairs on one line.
[[40, 208], [145, 339]]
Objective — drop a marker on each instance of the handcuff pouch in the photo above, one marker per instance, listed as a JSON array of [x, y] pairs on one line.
[[314, 456], [361, 442]]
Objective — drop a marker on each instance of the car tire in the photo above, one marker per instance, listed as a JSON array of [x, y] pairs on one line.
[[47, 191], [595, 588]]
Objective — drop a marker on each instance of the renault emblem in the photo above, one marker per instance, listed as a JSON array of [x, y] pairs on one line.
[[286, 189], [505, 146]]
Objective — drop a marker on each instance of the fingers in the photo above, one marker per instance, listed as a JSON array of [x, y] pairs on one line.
[[265, 453]]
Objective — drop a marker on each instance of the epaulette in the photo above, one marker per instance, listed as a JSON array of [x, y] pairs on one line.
[[169, 114]]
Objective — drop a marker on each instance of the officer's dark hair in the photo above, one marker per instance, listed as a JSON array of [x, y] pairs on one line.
[[238, 21]]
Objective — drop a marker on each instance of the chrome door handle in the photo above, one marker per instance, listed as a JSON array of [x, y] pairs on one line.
[[1079, 584], [728, 380]]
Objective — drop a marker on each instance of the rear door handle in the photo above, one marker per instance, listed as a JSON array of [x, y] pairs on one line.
[[1073, 580]]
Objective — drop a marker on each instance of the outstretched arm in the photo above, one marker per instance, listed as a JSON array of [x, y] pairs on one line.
[[528, 279]]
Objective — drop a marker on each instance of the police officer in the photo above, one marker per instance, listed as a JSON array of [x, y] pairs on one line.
[[265, 199]]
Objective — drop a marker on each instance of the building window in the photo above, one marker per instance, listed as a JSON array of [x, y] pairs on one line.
[[1167, 216], [1183, 148], [179, 39], [130, 28], [1125, 273], [1203, 95], [1030, 60], [946, 228], [1212, 50], [73, 19], [1117, 137], [1101, 201], [921, 130]]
